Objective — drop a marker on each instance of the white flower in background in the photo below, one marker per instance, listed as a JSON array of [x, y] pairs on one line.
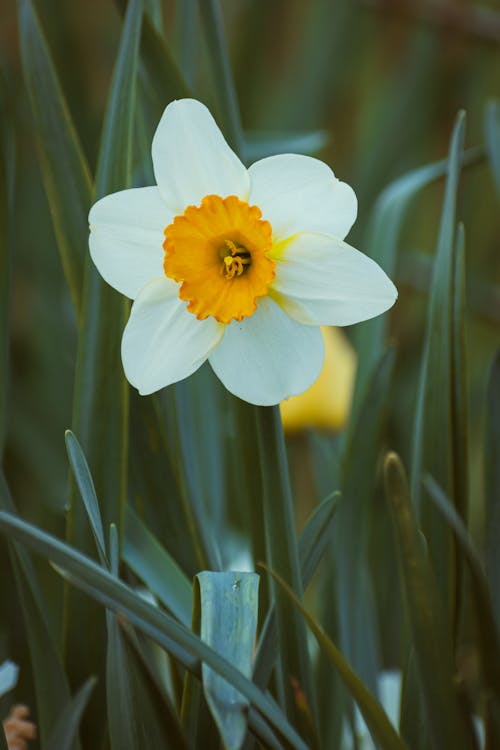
[[238, 266], [9, 673]]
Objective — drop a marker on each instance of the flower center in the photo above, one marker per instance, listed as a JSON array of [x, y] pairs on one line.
[[236, 260], [218, 251]]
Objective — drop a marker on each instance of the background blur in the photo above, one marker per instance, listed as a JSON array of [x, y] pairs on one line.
[[372, 87]]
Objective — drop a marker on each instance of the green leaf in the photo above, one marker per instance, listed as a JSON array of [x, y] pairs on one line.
[[65, 732], [435, 407], [492, 484], [156, 568], [282, 554], [100, 412], [493, 139], [165, 78], [45, 658], [381, 241], [487, 626], [153, 480], [136, 709], [312, 545], [357, 618], [64, 168], [460, 420], [430, 636], [261, 144], [7, 149], [160, 627], [3, 739], [177, 409], [375, 718], [217, 47], [85, 483], [228, 623], [489, 638]]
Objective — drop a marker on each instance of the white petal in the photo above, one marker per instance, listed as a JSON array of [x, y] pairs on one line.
[[163, 342], [323, 281], [126, 237], [301, 194], [191, 159], [268, 357]]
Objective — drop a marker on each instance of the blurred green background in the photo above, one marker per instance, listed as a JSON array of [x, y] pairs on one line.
[[372, 87]]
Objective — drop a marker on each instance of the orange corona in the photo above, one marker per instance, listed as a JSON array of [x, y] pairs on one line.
[[218, 251]]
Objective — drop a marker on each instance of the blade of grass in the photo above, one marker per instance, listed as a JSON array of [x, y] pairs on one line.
[[151, 562], [65, 732], [489, 636], [312, 545], [357, 619], [434, 411], [45, 658], [492, 484], [187, 38], [7, 150], [294, 667], [213, 22], [85, 483], [493, 139], [376, 720], [64, 168], [261, 144], [430, 636], [160, 627], [100, 387], [381, 241]]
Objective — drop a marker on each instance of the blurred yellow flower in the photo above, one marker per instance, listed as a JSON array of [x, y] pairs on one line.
[[327, 403]]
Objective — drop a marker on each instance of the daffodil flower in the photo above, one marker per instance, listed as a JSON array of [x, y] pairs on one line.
[[238, 266]]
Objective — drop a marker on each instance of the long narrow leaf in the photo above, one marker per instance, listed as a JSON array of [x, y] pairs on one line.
[[430, 637], [493, 139], [65, 171], [100, 413], [216, 41], [376, 720], [282, 555], [85, 483], [146, 557], [312, 545], [6, 167], [65, 732], [434, 412], [162, 628], [492, 484], [49, 679]]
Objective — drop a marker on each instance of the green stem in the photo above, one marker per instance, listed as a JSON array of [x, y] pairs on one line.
[[294, 673]]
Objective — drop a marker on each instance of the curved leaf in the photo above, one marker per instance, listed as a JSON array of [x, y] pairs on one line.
[[66, 730], [430, 637], [160, 627], [375, 718]]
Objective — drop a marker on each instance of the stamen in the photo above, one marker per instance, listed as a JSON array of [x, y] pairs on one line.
[[235, 261]]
